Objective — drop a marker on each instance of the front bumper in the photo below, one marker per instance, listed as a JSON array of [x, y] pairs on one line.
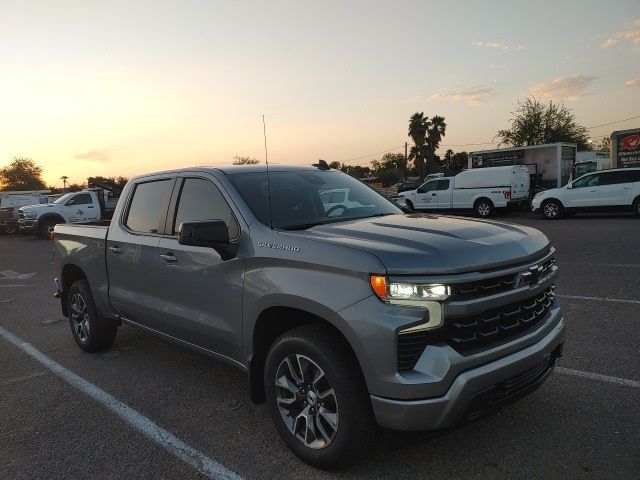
[[476, 390], [28, 225]]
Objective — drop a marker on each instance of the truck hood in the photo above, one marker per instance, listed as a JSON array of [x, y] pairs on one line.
[[434, 244], [42, 207]]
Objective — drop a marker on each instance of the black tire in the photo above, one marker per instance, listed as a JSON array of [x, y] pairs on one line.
[[484, 208], [46, 226], [636, 207], [409, 204], [90, 331], [11, 230], [318, 349], [552, 209]]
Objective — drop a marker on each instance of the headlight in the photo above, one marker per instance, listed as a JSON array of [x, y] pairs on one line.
[[405, 291], [29, 214], [428, 297]]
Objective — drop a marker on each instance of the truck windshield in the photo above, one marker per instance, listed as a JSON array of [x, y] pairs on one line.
[[303, 199], [64, 198]]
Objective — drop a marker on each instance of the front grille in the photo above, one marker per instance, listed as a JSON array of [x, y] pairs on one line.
[[498, 324], [410, 346], [493, 285], [512, 388], [483, 288]]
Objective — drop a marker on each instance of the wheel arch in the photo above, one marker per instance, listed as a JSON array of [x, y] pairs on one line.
[[49, 216], [270, 324], [70, 274]]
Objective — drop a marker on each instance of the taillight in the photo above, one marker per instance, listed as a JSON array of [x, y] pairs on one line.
[[52, 235], [507, 194]]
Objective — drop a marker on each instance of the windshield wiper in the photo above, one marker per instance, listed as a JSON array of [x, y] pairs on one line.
[[301, 226]]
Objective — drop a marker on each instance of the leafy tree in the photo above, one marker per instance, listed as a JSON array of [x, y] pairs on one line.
[[335, 165], [75, 187], [21, 174], [536, 123], [245, 160], [356, 171], [604, 144]]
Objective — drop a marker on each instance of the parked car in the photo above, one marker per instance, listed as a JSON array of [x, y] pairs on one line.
[[603, 191], [11, 202], [405, 186], [343, 323], [77, 207], [337, 200], [483, 190]]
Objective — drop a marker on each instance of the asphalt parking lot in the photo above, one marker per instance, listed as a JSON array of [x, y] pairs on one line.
[[583, 423]]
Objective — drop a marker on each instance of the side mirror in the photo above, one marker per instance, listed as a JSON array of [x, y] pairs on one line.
[[569, 186], [210, 233]]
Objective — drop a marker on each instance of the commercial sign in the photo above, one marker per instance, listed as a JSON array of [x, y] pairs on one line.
[[626, 148]]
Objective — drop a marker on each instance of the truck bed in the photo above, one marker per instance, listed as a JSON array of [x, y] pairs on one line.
[[87, 244]]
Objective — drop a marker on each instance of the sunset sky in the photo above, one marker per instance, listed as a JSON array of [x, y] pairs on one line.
[[127, 87]]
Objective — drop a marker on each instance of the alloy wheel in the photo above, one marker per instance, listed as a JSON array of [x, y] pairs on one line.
[[306, 401], [484, 209], [551, 210], [80, 317]]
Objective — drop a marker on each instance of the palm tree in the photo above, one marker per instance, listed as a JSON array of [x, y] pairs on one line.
[[435, 132], [418, 128], [64, 179]]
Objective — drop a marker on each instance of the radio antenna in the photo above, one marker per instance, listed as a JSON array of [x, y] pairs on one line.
[[266, 160]]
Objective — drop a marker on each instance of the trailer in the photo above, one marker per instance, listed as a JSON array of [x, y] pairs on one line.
[[550, 165]]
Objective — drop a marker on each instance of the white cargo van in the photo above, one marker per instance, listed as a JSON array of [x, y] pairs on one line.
[[483, 190]]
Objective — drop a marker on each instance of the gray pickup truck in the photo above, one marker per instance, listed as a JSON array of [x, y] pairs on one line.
[[345, 317]]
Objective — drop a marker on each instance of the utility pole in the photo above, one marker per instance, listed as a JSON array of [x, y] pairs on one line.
[[406, 160], [64, 183]]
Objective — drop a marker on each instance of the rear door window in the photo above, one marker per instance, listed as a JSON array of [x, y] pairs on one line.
[[149, 206], [443, 185], [201, 200]]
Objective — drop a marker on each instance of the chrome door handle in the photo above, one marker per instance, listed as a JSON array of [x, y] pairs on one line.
[[169, 258], [115, 250], [592, 191], [433, 194], [627, 188]]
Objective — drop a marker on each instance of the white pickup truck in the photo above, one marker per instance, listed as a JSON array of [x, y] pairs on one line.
[[85, 206], [483, 190]]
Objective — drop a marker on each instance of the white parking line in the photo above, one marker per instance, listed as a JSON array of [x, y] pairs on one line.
[[601, 299], [597, 376], [165, 439], [11, 286]]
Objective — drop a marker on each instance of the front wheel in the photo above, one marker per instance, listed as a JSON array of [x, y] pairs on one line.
[[552, 209], [317, 398], [409, 205], [90, 331], [46, 228], [636, 207]]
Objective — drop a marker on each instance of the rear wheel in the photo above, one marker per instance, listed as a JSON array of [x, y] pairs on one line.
[[10, 229], [552, 209], [484, 208], [90, 331], [636, 207], [317, 398]]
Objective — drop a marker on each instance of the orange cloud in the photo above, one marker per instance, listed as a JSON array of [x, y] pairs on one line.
[[473, 98], [99, 156], [563, 88], [633, 35]]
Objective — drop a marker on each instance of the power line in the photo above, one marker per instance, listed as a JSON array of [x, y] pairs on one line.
[[373, 154], [611, 123]]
